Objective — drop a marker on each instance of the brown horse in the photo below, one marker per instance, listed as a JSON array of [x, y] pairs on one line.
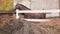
[[30, 15]]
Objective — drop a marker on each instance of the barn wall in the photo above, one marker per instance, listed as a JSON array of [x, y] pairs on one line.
[[44, 4]]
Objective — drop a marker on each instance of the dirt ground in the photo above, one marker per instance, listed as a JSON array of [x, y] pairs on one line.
[[8, 23]]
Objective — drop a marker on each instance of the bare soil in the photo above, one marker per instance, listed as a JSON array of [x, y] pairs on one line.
[[10, 25]]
